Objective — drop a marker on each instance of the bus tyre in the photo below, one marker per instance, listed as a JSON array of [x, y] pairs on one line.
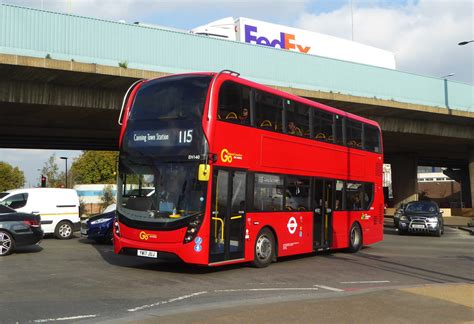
[[63, 230], [7, 243], [355, 238], [264, 251]]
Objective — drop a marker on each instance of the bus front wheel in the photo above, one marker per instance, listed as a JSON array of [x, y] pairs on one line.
[[264, 251]]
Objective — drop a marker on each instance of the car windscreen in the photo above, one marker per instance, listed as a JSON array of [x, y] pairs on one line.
[[421, 207], [3, 194]]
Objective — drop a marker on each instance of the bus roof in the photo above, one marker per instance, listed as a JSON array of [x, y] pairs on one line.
[[237, 78]]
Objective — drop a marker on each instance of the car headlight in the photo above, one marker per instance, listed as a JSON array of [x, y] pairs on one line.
[[403, 218], [433, 219], [100, 221]]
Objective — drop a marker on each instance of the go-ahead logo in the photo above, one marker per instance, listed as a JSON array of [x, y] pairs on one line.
[[145, 236], [228, 157]]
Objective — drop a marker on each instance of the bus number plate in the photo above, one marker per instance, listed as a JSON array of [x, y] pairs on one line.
[[147, 254]]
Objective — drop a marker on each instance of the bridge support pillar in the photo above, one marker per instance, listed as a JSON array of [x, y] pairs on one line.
[[471, 175], [404, 178]]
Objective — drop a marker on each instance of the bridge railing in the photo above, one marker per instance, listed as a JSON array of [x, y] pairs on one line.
[[32, 32]]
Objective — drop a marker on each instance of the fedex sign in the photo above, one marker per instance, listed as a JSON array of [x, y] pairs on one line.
[[285, 41]]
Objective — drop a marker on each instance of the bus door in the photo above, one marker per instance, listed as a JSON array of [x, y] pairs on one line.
[[228, 215], [323, 202]]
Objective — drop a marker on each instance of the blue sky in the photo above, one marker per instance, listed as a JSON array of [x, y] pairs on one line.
[[423, 34]]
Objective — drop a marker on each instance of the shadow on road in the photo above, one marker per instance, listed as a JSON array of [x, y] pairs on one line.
[[163, 265], [389, 230], [28, 249], [385, 264]]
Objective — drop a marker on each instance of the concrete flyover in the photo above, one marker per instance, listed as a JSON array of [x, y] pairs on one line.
[[47, 103], [61, 87]]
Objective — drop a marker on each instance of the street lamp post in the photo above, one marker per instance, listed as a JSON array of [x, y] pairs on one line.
[[465, 42], [447, 75], [445, 80], [65, 159]]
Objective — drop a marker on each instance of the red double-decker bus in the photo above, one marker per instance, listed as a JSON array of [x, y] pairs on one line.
[[215, 169]]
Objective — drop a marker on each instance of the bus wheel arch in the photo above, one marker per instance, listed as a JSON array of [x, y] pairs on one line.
[[355, 237], [275, 237], [265, 248]]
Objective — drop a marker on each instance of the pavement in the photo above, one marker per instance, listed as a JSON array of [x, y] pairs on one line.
[[440, 303]]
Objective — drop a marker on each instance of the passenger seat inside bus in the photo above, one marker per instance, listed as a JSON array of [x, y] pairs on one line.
[[266, 124], [139, 203], [231, 115]]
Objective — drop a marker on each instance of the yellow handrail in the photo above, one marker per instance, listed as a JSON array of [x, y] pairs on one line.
[[236, 217], [222, 231]]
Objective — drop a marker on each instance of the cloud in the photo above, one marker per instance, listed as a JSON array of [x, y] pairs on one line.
[[423, 35], [180, 12]]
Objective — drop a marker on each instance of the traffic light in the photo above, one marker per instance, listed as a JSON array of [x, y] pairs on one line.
[[43, 181]]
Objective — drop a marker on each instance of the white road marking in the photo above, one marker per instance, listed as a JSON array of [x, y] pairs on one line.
[[64, 318], [265, 289], [166, 301], [329, 288], [364, 282]]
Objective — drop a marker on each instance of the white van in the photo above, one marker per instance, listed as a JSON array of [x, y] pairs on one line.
[[58, 208]]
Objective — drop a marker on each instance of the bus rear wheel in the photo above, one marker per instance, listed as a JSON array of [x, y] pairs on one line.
[[264, 251], [355, 238]]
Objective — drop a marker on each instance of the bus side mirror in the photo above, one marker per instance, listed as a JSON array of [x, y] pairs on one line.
[[204, 172]]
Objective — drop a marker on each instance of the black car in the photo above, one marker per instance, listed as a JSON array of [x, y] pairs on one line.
[[18, 229], [419, 216]]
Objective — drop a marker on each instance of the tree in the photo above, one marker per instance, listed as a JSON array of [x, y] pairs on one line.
[[50, 170], [95, 167], [10, 177], [107, 197]]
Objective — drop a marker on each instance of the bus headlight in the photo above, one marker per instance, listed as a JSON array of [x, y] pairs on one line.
[[117, 228], [192, 230]]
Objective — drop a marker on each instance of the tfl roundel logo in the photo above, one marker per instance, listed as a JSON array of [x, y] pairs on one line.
[[292, 225]]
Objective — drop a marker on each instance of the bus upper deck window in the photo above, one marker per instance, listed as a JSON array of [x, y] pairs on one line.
[[268, 111], [234, 103], [372, 139]]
